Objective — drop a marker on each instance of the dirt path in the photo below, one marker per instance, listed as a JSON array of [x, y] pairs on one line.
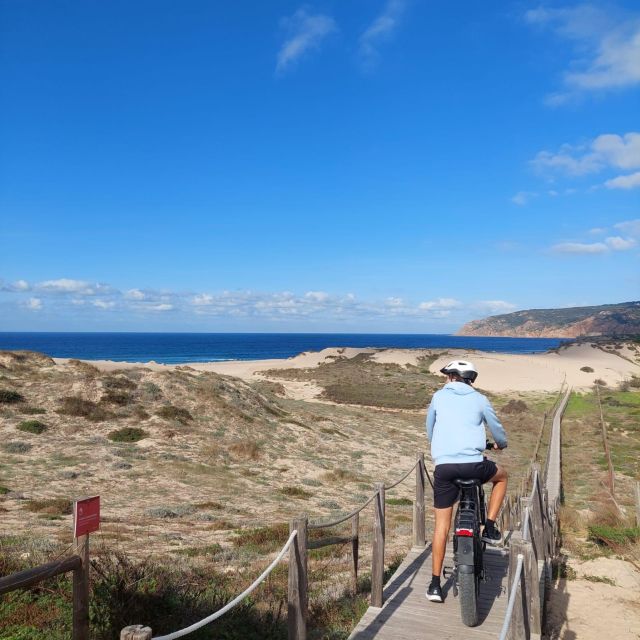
[[603, 601]]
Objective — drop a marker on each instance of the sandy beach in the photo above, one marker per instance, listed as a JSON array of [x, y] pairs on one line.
[[499, 372]]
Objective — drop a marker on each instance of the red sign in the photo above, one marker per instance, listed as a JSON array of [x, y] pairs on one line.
[[86, 516]]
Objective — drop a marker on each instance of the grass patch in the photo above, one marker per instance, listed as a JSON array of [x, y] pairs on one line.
[[7, 396], [263, 539], [606, 534], [295, 492], [209, 550], [120, 398], [16, 446], [128, 434], [342, 475], [515, 407], [81, 408], [169, 412], [248, 449], [602, 579], [4, 490], [50, 506], [32, 426], [33, 411], [401, 502]]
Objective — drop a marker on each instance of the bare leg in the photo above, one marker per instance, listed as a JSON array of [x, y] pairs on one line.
[[497, 493], [440, 535]]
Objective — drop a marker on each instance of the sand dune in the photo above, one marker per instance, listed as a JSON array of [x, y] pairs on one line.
[[498, 371]]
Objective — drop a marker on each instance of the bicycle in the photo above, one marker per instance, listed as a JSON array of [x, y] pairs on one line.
[[468, 547]]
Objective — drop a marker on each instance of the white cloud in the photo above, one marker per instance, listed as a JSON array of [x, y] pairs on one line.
[[523, 197], [380, 30], [630, 227], [616, 243], [317, 296], [578, 248], [18, 285], [34, 304], [76, 287], [630, 181], [161, 307], [597, 231], [612, 243], [606, 151], [606, 44], [202, 300], [496, 306], [135, 294], [103, 304], [440, 303], [305, 33]]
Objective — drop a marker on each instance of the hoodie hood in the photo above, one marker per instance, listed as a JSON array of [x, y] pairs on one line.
[[459, 388]]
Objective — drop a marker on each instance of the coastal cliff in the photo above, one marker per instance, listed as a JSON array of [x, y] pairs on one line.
[[573, 322]]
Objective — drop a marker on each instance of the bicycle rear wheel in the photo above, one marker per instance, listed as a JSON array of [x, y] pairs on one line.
[[468, 594]]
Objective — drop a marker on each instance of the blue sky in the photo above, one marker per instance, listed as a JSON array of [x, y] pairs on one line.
[[373, 165]]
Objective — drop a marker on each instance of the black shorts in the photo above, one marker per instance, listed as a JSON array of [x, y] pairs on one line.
[[445, 493]]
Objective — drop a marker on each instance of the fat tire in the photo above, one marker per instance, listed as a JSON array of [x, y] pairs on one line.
[[468, 594]]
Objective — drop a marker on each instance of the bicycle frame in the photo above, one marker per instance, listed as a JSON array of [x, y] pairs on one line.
[[467, 545]]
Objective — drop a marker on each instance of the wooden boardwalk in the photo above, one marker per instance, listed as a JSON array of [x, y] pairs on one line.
[[408, 615]]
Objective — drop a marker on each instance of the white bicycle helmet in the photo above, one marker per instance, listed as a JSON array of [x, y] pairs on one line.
[[463, 368]]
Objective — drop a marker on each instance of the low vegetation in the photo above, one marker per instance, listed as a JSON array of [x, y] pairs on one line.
[[32, 426], [81, 408], [7, 396], [128, 434]]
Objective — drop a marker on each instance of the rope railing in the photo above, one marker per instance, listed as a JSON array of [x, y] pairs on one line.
[[512, 598], [404, 477], [230, 605], [533, 546], [341, 519], [357, 510]]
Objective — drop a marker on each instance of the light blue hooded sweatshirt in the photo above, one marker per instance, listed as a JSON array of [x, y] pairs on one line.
[[455, 424]]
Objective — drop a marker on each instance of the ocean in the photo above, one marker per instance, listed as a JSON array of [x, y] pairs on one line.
[[177, 348]]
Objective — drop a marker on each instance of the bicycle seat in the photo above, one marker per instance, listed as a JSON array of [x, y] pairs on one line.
[[462, 483]]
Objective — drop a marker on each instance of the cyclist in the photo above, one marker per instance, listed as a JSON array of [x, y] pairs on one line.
[[456, 421]]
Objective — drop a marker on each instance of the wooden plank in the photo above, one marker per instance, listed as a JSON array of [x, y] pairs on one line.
[[298, 602], [418, 506], [377, 559], [29, 577], [355, 544], [81, 591], [328, 541]]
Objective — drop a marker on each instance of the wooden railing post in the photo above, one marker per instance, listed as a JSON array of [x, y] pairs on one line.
[[519, 626], [298, 599], [136, 632], [418, 505], [81, 591], [377, 561], [638, 504], [355, 544]]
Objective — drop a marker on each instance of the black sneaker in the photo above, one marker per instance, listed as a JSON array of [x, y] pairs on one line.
[[491, 535], [434, 593]]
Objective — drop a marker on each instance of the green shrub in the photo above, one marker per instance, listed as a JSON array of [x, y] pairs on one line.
[[81, 408], [263, 539], [402, 502], [606, 534], [118, 383], [586, 369], [295, 492], [10, 397], [128, 434], [120, 398], [32, 426], [16, 447], [33, 411], [169, 412], [51, 506], [4, 490]]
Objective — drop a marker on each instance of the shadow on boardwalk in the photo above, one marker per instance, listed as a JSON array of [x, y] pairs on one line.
[[407, 614]]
